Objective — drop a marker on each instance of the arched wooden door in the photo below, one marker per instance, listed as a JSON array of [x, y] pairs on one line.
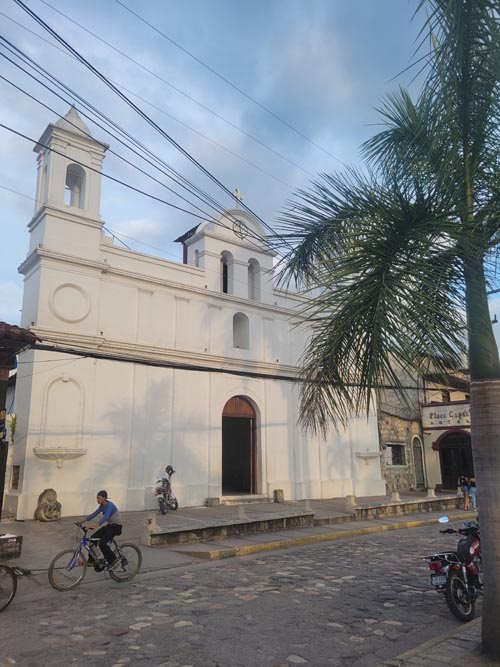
[[239, 455]]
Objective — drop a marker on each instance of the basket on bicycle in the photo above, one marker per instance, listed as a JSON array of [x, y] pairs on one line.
[[10, 546]]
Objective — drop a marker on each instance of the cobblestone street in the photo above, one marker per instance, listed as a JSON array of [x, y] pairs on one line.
[[354, 602]]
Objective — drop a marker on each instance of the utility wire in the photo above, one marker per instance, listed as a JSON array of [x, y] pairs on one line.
[[223, 78], [112, 178], [24, 92], [139, 111], [102, 173], [159, 109], [217, 207], [74, 95], [119, 236], [178, 90], [160, 363]]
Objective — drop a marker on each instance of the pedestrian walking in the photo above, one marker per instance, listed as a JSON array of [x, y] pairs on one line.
[[473, 492], [463, 483]]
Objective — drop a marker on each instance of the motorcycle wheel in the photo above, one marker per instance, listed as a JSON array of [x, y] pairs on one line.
[[163, 507], [461, 604], [173, 504]]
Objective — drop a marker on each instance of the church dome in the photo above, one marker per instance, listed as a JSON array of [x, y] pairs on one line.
[[72, 122]]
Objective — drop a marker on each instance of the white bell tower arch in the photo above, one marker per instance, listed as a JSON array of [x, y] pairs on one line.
[[69, 180]]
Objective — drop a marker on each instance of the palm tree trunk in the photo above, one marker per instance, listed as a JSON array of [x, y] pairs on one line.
[[485, 420], [485, 436], [483, 351]]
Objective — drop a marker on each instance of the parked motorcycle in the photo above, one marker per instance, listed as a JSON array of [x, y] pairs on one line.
[[459, 574], [163, 492]]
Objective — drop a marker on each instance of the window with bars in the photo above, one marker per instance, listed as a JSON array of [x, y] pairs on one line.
[[395, 454]]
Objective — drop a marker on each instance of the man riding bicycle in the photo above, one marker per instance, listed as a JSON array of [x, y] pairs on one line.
[[110, 517]]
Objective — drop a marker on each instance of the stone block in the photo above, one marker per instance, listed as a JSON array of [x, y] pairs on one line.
[[350, 503], [278, 496], [212, 502]]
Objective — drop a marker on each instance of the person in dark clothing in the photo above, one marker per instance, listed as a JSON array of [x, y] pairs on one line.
[[463, 483], [110, 517]]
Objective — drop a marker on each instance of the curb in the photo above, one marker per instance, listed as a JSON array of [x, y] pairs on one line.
[[399, 660], [229, 552]]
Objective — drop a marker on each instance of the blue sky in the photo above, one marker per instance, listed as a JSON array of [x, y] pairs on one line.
[[320, 65]]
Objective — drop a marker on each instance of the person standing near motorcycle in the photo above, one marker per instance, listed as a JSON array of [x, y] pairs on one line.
[[463, 483], [473, 492]]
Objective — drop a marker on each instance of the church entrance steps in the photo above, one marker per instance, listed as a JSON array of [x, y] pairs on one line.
[[243, 499], [196, 531]]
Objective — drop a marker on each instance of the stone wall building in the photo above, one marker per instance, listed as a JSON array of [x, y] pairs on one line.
[[400, 433], [425, 441]]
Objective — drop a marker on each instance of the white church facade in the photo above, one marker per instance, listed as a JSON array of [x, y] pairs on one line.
[[145, 362]]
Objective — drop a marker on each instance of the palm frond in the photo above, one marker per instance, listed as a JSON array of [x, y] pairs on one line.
[[390, 295]]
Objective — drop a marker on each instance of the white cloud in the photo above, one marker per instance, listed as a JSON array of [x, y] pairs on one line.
[[139, 229]]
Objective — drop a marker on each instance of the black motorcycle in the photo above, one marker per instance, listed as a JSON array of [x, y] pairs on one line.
[[459, 574], [164, 494]]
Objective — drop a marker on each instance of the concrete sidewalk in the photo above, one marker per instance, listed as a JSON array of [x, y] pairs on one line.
[[41, 541], [460, 648]]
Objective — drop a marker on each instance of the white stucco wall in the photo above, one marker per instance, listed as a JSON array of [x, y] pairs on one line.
[[132, 419]]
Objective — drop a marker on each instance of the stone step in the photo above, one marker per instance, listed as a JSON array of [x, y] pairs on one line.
[[242, 499], [155, 535]]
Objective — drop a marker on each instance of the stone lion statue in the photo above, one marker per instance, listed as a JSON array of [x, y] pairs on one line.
[[48, 508]]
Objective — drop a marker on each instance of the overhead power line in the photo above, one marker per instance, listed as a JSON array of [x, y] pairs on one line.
[[225, 80], [102, 173], [178, 90], [112, 178], [159, 109], [164, 363], [138, 110], [119, 236], [205, 198]]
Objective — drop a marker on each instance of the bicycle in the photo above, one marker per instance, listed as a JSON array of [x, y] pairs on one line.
[[10, 547], [69, 567]]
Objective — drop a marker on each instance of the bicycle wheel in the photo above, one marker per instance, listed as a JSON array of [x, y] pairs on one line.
[[8, 586], [67, 570], [130, 562]]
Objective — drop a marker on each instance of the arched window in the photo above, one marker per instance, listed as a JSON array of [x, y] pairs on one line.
[[241, 331], [226, 272], [253, 280], [74, 194]]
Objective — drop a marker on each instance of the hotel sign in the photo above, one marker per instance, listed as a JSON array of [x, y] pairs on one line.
[[444, 415]]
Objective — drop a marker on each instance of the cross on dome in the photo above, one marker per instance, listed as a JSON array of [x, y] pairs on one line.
[[237, 194]]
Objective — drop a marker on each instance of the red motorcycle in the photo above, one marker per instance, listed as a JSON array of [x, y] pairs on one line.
[[459, 574]]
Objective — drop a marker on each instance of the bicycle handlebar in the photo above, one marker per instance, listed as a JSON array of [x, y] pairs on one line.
[[79, 524]]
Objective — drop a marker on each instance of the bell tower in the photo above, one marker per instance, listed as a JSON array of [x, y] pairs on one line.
[[68, 182]]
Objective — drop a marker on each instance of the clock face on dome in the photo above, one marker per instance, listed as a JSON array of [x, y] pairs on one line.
[[240, 229]]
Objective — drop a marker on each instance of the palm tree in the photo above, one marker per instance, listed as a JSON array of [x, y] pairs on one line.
[[402, 252]]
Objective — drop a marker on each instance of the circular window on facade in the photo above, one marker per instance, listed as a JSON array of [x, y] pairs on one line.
[[70, 303]]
